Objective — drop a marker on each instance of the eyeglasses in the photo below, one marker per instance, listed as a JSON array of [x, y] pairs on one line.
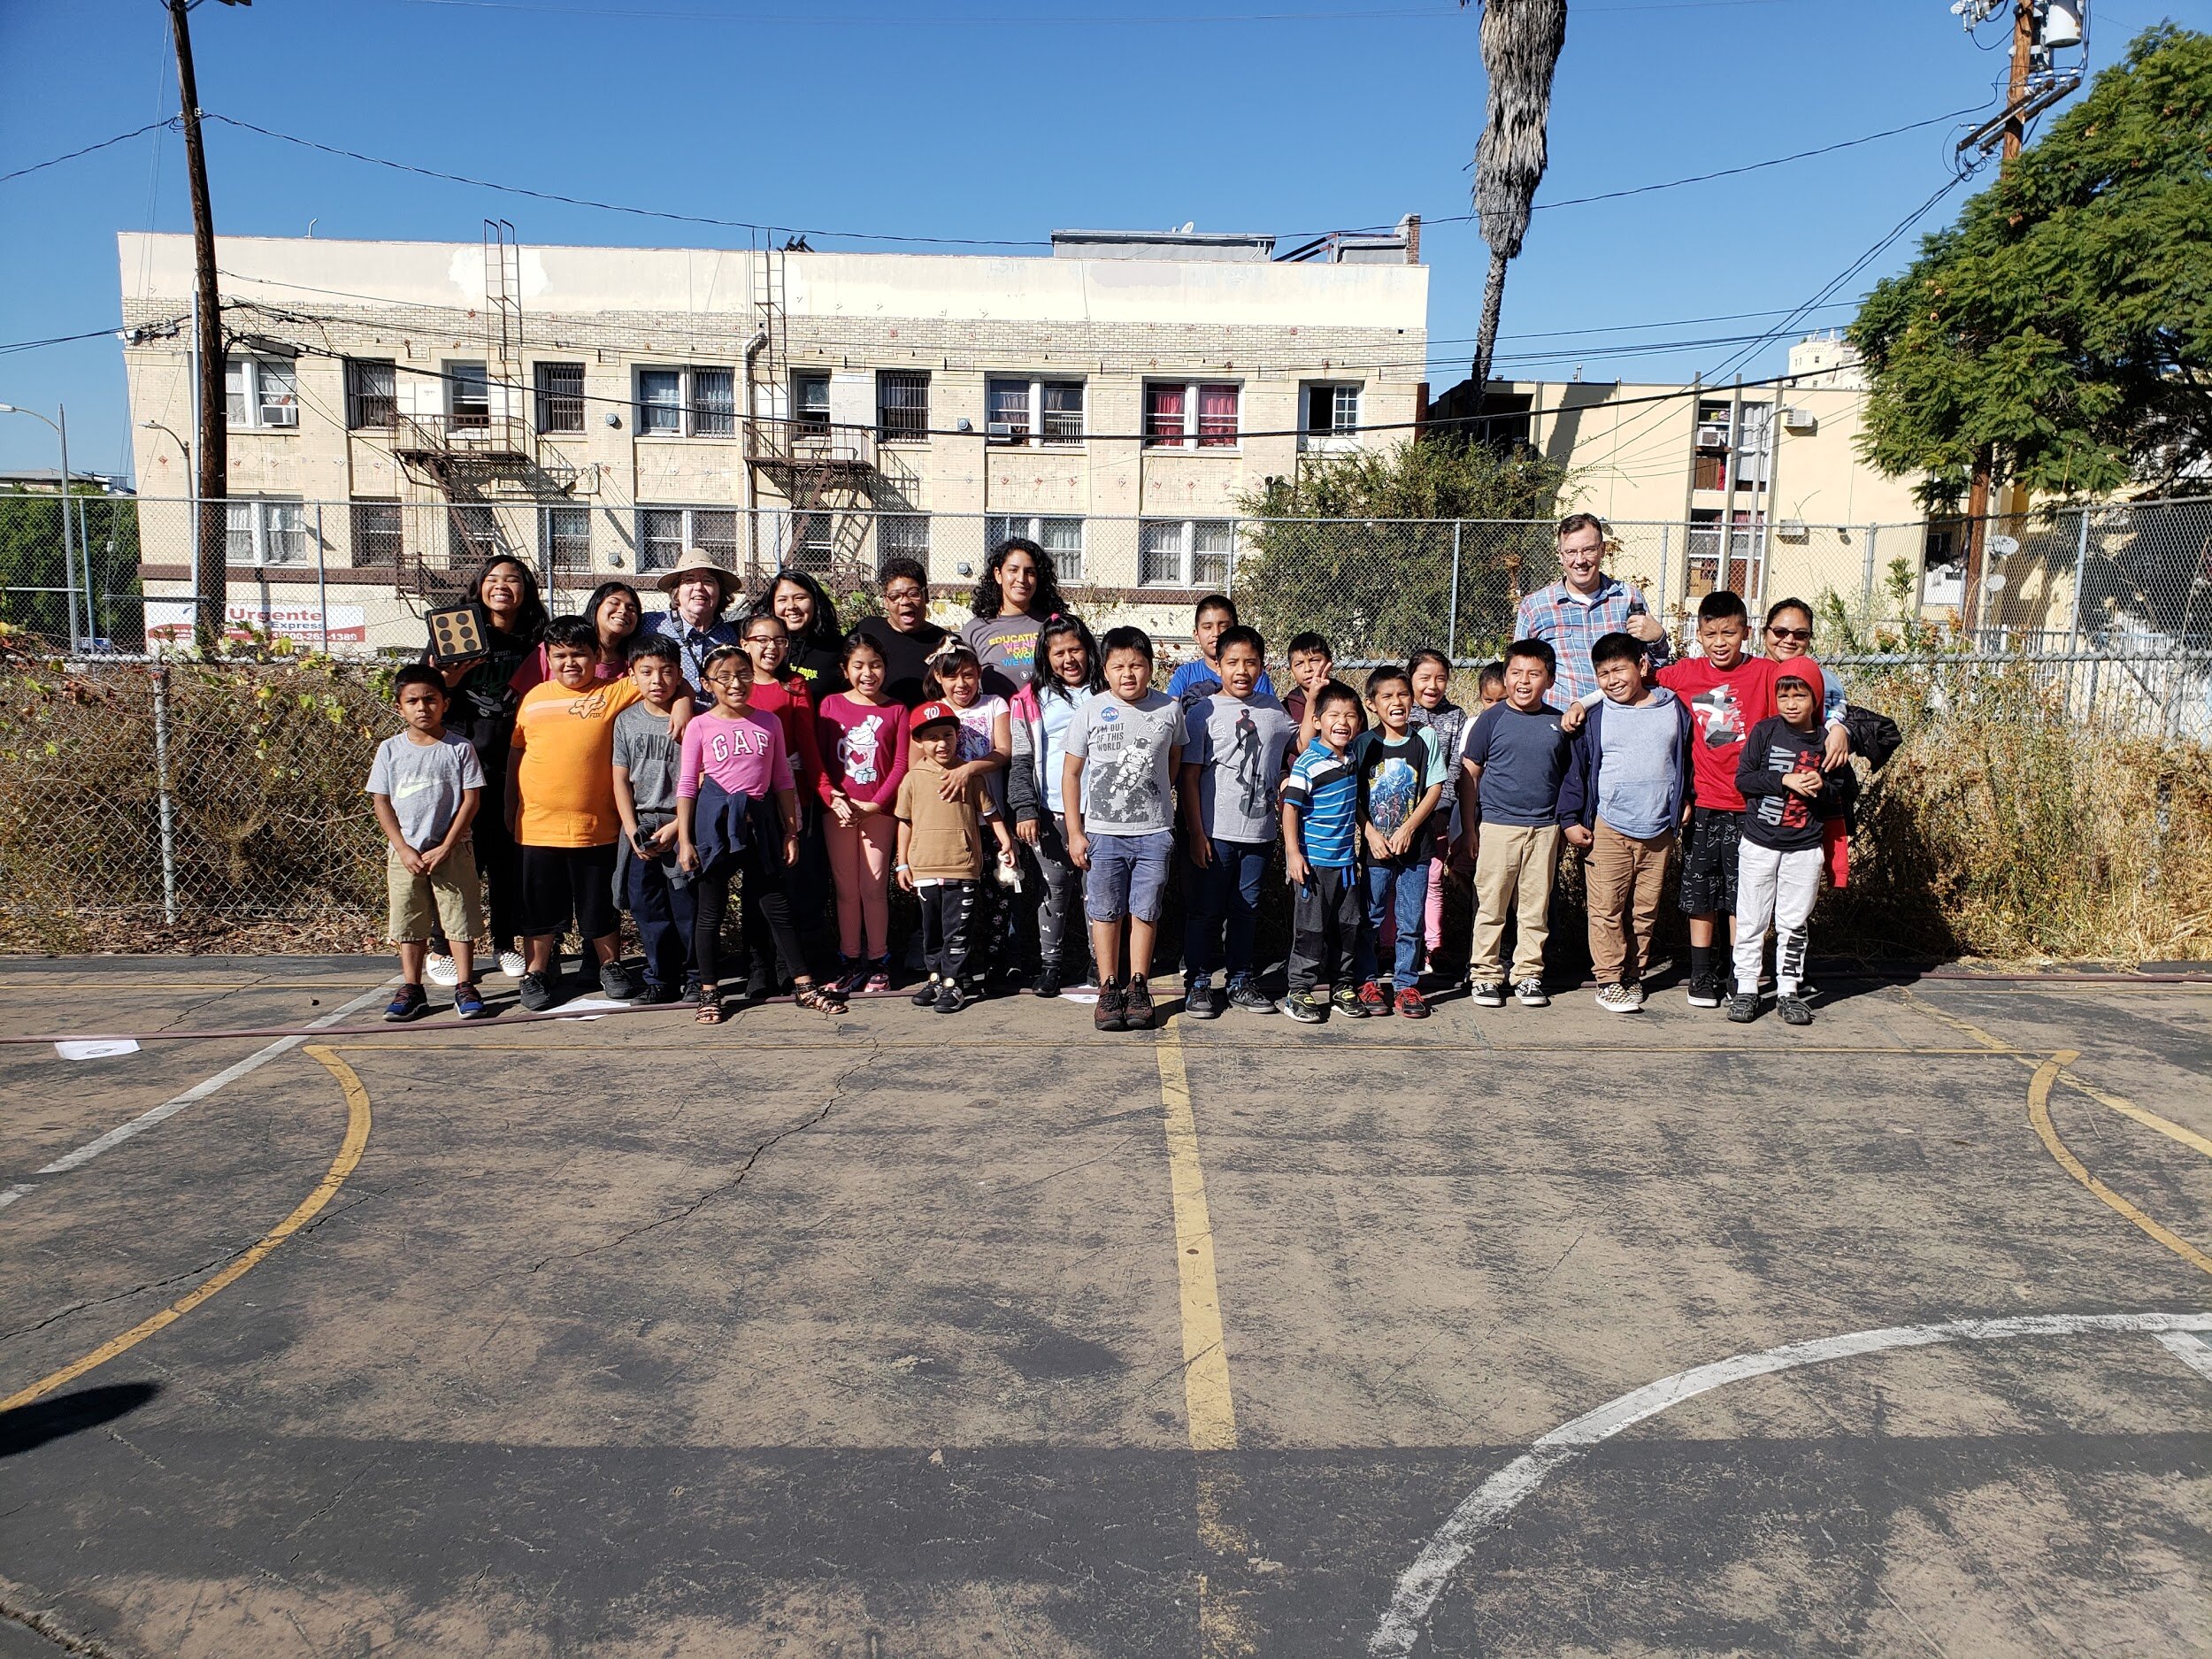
[[1803, 636], [890, 593]]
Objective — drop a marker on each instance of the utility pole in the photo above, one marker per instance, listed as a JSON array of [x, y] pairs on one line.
[[1978, 494], [210, 577]]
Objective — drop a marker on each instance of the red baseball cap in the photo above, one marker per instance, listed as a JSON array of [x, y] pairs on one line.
[[930, 714]]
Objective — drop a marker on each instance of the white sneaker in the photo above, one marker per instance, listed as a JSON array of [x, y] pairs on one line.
[[510, 964], [1620, 999], [441, 970]]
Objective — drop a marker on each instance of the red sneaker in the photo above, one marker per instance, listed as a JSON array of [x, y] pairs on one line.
[[1372, 997], [1412, 1004]]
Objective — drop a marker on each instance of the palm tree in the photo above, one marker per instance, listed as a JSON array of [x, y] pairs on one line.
[[1521, 41]]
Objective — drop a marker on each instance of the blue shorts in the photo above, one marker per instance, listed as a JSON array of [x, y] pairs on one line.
[[1128, 876]]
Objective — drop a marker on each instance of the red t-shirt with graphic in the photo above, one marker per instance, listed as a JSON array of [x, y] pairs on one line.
[[1725, 704]]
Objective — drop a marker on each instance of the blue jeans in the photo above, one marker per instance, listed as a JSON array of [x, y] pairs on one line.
[[1225, 891], [663, 912], [1408, 890], [1128, 875]]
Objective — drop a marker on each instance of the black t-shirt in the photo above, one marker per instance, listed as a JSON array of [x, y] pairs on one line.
[[822, 667], [1775, 817], [904, 655]]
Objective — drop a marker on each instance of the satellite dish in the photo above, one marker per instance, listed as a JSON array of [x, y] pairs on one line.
[[1994, 582], [2003, 546]]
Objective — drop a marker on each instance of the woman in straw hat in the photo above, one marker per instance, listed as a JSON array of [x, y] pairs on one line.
[[699, 591]]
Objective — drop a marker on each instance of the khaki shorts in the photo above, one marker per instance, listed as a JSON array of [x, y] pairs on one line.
[[446, 899]]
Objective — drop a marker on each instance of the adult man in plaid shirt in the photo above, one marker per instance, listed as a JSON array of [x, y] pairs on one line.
[[1573, 613]]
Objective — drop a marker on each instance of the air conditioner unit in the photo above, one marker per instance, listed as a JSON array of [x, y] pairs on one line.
[[1799, 421], [1791, 529], [1004, 432], [279, 415], [1712, 437]]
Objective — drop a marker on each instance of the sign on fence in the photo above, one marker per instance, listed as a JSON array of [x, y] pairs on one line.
[[170, 620]]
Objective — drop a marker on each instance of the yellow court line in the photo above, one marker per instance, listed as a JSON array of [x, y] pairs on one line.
[[309, 1208], [2126, 1108], [2039, 1115], [1206, 1401]]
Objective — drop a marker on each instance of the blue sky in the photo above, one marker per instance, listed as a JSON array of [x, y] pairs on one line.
[[988, 118]]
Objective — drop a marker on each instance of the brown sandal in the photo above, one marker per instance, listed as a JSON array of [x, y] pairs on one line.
[[710, 1009], [821, 998]]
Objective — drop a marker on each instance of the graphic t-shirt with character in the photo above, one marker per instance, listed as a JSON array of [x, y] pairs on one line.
[[1393, 774], [1241, 744], [1127, 750]]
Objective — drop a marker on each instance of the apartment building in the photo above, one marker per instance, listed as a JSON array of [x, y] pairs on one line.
[[398, 410]]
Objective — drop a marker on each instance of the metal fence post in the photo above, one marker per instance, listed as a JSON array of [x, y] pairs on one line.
[[1666, 547], [2081, 569], [322, 580], [1866, 578], [168, 807], [1451, 643]]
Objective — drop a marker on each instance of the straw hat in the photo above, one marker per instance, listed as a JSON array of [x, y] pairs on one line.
[[696, 564]]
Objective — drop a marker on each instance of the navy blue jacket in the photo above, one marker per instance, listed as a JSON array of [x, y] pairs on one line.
[[1579, 790]]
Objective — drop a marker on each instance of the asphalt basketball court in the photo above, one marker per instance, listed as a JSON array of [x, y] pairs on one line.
[[1504, 1332]]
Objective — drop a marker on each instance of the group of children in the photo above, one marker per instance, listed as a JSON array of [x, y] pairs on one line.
[[1089, 791]]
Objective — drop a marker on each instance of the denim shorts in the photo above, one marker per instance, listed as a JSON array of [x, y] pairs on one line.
[[1128, 876]]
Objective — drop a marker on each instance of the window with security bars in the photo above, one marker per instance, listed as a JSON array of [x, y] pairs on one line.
[[903, 405], [1187, 552], [810, 541], [902, 535], [1006, 411], [1024, 412], [1061, 537], [260, 392], [564, 546], [686, 403], [473, 533], [261, 531], [560, 396], [664, 533], [377, 540], [371, 392], [1190, 413]]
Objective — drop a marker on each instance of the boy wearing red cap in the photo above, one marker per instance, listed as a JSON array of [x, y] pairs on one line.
[[939, 856], [1787, 796]]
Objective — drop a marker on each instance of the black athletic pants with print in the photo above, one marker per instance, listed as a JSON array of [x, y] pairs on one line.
[[949, 908]]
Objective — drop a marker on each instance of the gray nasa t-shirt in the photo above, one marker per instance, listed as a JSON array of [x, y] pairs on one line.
[[1241, 745], [426, 783], [1126, 749], [643, 747]]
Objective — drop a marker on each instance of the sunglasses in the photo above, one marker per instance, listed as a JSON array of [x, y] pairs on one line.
[[1803, 636]]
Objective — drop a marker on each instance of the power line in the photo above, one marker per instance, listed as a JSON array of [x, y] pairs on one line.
[[105, 143], [60, 339], [618, 207], [1019, 19]]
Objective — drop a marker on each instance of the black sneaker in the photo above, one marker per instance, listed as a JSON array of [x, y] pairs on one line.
[[1530, 993], [1743, 1008], [926, 993], [1246, 995], [1305, 1007], [1345, 1000], [1136, 1004], [1198, 999], [1046, 984], [615, 982], [656, 992], [1705, 989], [468, 1002], [1487, 993], [536, 995], [1793, 1011], [408, 1002], [950, 998], [1111, 1014]]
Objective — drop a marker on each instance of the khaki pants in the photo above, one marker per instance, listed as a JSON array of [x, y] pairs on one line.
[[1622, 877], [1513, 867]]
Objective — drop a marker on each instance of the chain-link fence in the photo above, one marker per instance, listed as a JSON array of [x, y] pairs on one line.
[[143, 790]]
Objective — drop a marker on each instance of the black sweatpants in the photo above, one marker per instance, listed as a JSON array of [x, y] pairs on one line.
[[948, 908], [1326, 916], [766, 895]]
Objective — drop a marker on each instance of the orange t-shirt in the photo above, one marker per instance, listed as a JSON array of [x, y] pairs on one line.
[[564, 741]]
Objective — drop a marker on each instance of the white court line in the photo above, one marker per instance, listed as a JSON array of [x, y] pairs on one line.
[[198, 1092], [2191, 1351], [1491, 1501]]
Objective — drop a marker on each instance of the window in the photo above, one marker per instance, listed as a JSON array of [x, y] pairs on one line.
[[1023, 411], [902, 535], [564, 546], [264, 532], [1730, 561], [686, 403], [468, 388], [473, 534], [664, 533], [1331, 412], [810, 540], [376, 534], [1175, 414], [1186, 553], [810, 404], [903, 405], [1063, 538], [1752, 446], [260, 392], [560, 396], [371, 392]]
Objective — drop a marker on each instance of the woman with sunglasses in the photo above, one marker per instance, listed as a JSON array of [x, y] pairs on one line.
[[1789, 634]]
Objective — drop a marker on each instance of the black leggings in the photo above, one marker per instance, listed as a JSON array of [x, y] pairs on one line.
[[766, 895]]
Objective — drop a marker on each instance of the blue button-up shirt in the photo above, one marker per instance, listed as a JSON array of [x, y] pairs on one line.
[[693, 645], [1571, 623]]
